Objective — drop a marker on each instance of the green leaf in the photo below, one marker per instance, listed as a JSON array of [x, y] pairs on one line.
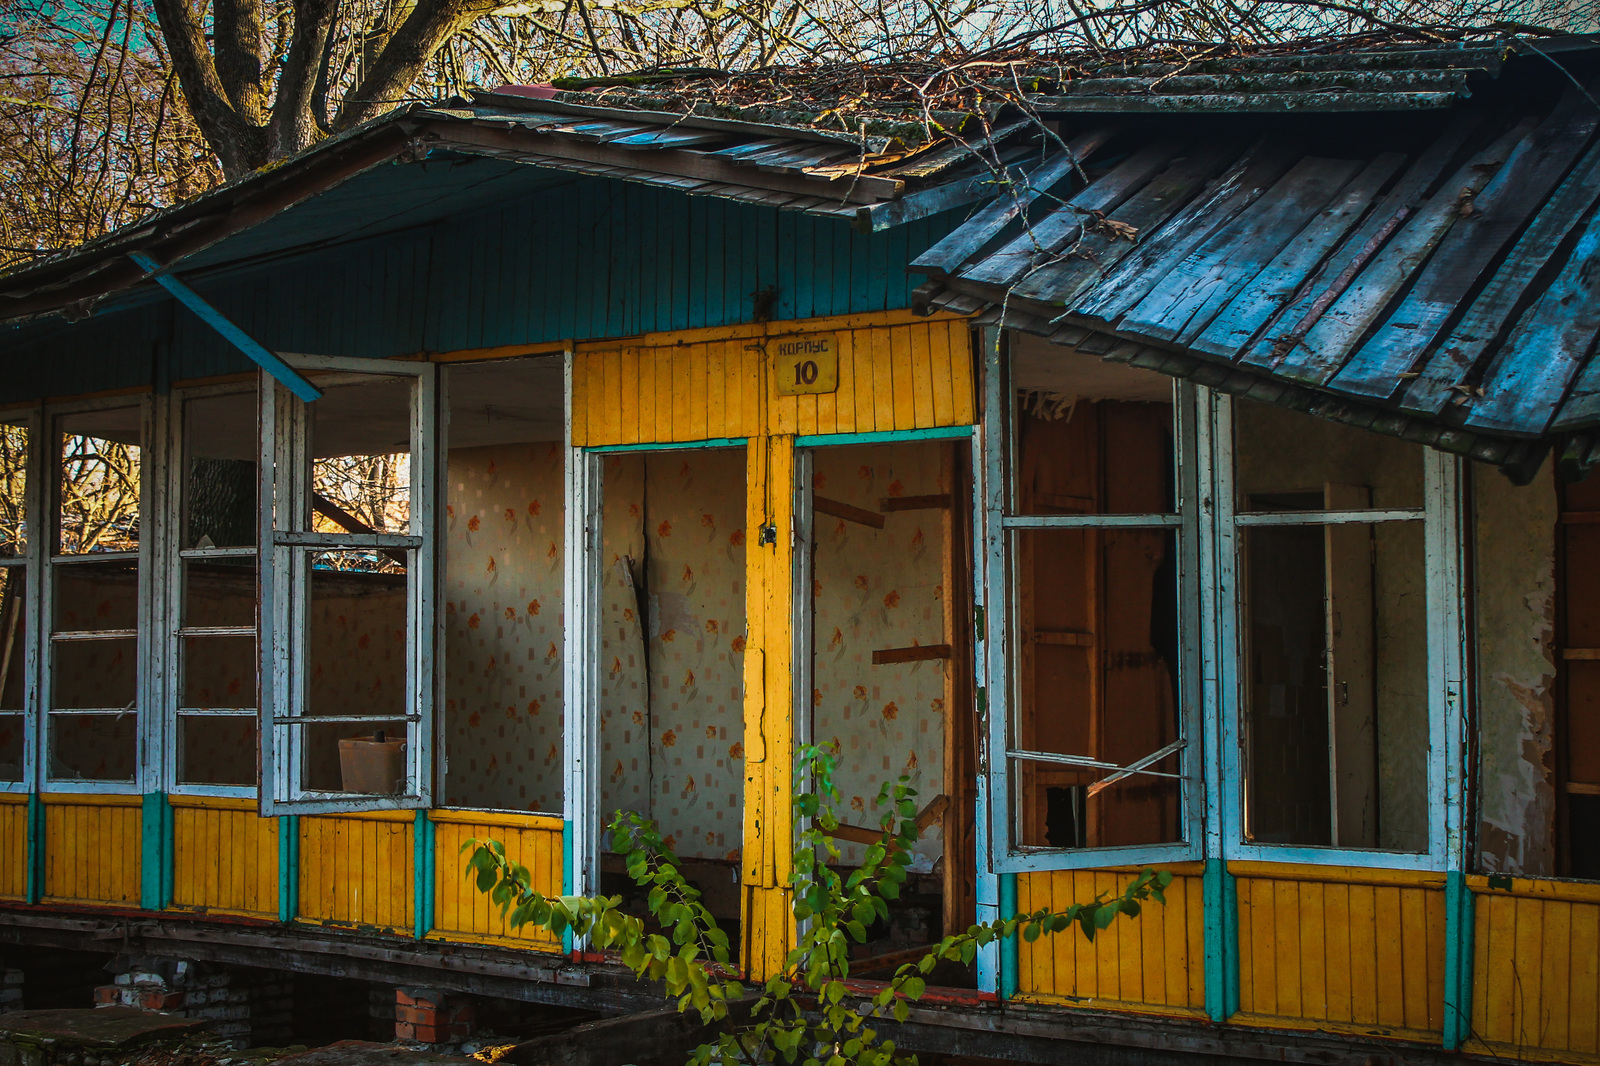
[[913, 987]]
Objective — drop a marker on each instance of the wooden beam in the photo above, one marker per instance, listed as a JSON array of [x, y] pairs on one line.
[[1581, 654], [916, 654], [940, 501], [848, 512]]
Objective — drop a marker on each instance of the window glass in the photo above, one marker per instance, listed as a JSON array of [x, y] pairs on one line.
[[96, 595], [361, 462], [98, 501], [13, 490], [219, 471]]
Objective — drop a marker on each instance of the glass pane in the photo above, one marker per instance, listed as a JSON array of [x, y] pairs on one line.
[[216, 749], [13, 489], [370, 758], [219, 673], [99, 480], [1090, 437], [1284, 460], [93, 747], [361, 457], [91, 596], [1097, 677], [94, 674], [219, 481], [219, 592], [12, 735], [13, 639], [356, 630], [1336, 731]]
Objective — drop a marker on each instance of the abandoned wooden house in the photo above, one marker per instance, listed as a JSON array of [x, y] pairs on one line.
[[1200, 486]]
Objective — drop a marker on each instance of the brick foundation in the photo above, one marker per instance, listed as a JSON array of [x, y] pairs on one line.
[[246, 1007], [428, 1016]]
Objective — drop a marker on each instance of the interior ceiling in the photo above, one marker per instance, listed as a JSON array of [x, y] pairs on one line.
[[1038, 364]]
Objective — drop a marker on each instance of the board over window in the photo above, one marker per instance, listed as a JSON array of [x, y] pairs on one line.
[[348, 587], [1092, 519], [1344, 645]]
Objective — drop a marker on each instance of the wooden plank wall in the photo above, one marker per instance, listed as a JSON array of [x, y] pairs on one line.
[[1536, 970], [1341, 947], [1155, 962], [13, 845], [92, 848], [896, 372], [460, 911], [358, 869], [224, 857]]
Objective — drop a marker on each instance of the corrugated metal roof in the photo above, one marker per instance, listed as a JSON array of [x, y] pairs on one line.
[[1429, 276]]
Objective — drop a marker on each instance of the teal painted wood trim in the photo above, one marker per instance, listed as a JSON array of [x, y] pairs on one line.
[[1219, 900], [569, 877], [155, 858], [424, 855], [35, 856], [288, 868], [825, 440], [1010, 974], [671, 446], [1459, 921]]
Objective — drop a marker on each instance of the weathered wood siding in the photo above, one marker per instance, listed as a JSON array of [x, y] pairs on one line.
[[1536, 970], [13, 845], [895, 373], [92, 848], [358, 870], [1155, 962], [224, 857], [1341, 947], [460, 911]]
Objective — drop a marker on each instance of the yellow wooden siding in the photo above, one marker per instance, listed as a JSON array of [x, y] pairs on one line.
[[1155, 962], [460, 911], [1341, 947], [13, 845], [894, 374], [92, 849], [1536, 970], [357, 869], [224, 857]]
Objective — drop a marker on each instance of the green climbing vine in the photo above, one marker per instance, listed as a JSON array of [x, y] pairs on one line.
[[805, 1015]]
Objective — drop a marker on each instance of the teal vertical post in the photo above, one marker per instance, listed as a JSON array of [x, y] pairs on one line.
[[155, 859], [1220, 901], [1009, 962], [1458, 931], [35, 856], [288, 868], [422, 866], [569, 877]]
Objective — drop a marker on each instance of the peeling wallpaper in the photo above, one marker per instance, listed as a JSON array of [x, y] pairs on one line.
[[1515, 608]]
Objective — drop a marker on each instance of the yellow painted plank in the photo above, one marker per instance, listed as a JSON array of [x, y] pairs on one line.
[[1336, 952], [1364, 960], [1529, 949], [940, 389], [1286, 945], [611, 388], [882, 364], [1434, 912], [900, 367], [716, 377], [627, 388], [962, 383], [1584, 997], [1556, 1008], [579, 404], [697, 385], [921, 376], [1313, 960], [662, 359]]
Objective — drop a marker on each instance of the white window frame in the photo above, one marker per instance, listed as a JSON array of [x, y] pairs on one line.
[[172, 631], [1441, 514], [998, 524], [284, 567], [148, 667], [32, 423]]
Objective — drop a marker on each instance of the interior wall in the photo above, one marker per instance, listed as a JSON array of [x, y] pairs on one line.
[[875, 589], [503, 627], [1514, 606], [672, 645]]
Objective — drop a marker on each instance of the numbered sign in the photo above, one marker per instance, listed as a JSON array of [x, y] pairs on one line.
[[804, 365]]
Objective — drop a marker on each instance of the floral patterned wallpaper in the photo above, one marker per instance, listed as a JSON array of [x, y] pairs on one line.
[[673, 596], [503, 629], [875, 589]]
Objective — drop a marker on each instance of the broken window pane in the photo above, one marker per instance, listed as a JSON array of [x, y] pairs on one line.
[[13, 490], [502, 588], [98, 674], [1336, 727], [367, 758], [356, 634], [94, 747], [361, 462], [216, 749], [13, 639], [99, 509], [1090, 437], [12, 730], [219, 473], [96, 595], [1097, 656]]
